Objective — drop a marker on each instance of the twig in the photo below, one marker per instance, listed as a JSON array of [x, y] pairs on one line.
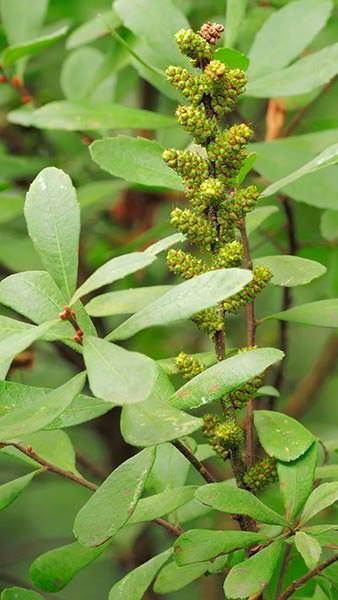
[[203, 471], [18, 85], [91, 467], [28, 451], [302, 580], [68, 314]]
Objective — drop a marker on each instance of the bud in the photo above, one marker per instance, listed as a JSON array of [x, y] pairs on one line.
[[192, 87], [189, 165], [224, 436], [194, 46], [243, 202], [212, 190], [196, 228], [185, 264], [240, 397], [209, 320], [195, 120], [261, 474], [188, 366], [261, 278], [211, 32], [229, 256]]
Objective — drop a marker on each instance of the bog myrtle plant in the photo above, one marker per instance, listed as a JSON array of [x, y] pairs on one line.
[[273, 502]]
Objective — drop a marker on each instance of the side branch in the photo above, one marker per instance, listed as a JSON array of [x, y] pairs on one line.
[[194, 461], [302, 580]]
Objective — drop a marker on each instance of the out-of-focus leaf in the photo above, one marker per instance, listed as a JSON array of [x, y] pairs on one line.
[[322, 497], [114, 502], [281, 436], [233, 500], [224, 377], [184, 300], [95, 28], [172, 577], [17, 593], [113, 270], [285, 34], [123, 302], [16, 167], [232, 58], [290, 271], [11, 206], [296, 481], [257, 217], [162, 504], [23, 421], [80, 74], [253, 575], [79, 116], [198, 545], [309, 548], [327, 472], [135, 583], [328, 225], [135, 159], [52, 571], [235, 11], [29, 48], [22, 21], [323, 313], [11, 490]]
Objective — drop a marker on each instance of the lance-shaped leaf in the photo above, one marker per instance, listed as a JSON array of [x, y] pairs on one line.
[[34, 46], [11, 490], [135, 159], [224, 377], [323, 313], [52, 571], [135, 584], [325, 159], [296, 481], [114, 269], [162, 504], [322, 497], [172, 577], [155, 421], [112, 505], [281, 436], [17, 396], [91, 30], [235, 11], [79, 116], [253, 575], [22, 22], [18, 593], [23, 421], [185, 299], [117, 375], [257, 217], [124, 302], [309, 548], [166, 243], [198, 545], [290, 271], [232, 500], [53, 219]]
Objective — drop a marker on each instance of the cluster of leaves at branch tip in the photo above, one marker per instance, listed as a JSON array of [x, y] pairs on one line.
[[217, 206]]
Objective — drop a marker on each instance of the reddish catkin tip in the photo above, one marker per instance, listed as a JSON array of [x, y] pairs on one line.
[[3, 78], [16, 81], [26, 99]]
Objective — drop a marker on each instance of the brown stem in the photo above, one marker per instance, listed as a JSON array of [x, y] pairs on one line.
[[28, 451], [18, 85], [68, 314], [302, 580], [194, 461]]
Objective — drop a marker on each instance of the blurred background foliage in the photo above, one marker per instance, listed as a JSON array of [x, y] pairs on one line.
[[91, 66]]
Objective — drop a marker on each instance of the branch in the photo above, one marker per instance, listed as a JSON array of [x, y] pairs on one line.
[[28, 451], [203, 471], [302, 580]]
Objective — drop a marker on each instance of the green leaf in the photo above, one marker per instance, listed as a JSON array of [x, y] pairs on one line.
[[11, 206], [17, 396], [245, 169], [155, 421], [95, 28], [309, 548], [227, 498], [135, 584], [53, 219], [112, 505], [114, 269], [290, 271], [80, 75], [162, 504], [184, 300], [172, 578], [18, 593], [296, 481], [257, 217], [232, 58], [117, 375], [22, 21], [329, 225], [123, 302], [323, 313], [135, 159], [235, 11], [52, 571], [31, 47], [302, 77], [325, 159], [327, 472], [224, 377], [79, 116], [11, 490], [199, 545], [166, 243], [253, 575], [23, 421], [322, 497], [281, 436], [286, 34], [13, 167]]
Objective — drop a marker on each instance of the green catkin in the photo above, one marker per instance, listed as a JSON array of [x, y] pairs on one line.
[[209, 320], [185, 264], [228, 256], [261, 474], [188, 366], [194, 119], [195, 227], [261, 278], [239, 398], [224, 436], [189, 165], [193, 45], [192, 88]]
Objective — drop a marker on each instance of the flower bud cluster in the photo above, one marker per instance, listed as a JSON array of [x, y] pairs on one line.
[[261, 474], [228, 256], [227, 86], [189, 165], [209, 320], [261, 277], [224, 436], [185, 264], [195, 227], [243, 202], [211, 32], [193, 45], [228, 153], [192, 87], [188, 366], [239, 398], [195, 120]]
